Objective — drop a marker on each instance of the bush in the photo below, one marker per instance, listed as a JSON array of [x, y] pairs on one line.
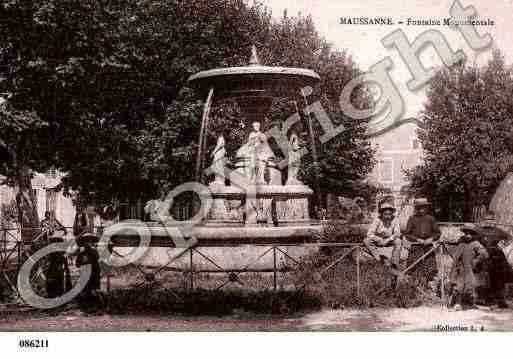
[[338, 287], [149, 300]]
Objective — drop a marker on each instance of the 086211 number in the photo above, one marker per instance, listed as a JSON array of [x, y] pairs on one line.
[[33, 343]]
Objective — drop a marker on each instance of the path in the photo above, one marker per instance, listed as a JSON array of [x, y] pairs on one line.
[[414, 319]]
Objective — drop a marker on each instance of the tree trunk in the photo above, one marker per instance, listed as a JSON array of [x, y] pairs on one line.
[[26, 202], [469, 199]]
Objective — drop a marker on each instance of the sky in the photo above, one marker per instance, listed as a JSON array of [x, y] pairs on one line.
[[363, 42]]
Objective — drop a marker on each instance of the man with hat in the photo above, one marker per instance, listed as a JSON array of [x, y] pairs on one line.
[[468, 256], [384, 231], [499, 270], [422, 228]]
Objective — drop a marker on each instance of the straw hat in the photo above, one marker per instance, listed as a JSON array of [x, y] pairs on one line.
[[386, 206], [470, 229], [421, 202]]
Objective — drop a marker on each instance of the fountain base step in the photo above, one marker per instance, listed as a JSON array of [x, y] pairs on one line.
[[159, 235]]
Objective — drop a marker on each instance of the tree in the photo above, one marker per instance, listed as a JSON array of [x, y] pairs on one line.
[[21, 153], [105, 85], [294, 42], [467, 137]]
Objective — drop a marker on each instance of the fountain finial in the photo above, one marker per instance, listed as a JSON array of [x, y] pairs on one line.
[[254, 61]]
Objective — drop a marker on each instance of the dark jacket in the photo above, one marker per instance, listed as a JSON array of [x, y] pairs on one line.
[[422, 227], [90, 256]]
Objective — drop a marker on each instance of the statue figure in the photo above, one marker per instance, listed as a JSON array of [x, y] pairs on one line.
[[256, 152], [294, 159], [219, 160]]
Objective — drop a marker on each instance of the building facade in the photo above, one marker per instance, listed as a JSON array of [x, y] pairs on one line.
[[49, 197], [398, 149]]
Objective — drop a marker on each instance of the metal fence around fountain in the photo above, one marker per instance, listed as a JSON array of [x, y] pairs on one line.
[[13, 253]]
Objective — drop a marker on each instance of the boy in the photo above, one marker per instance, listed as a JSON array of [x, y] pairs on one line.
[[469, 254]]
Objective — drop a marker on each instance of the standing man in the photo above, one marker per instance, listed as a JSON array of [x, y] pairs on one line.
[[385, 232], [422, 228]]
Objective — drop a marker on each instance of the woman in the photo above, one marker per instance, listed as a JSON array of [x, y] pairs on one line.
[[89, 299], [58, 280]]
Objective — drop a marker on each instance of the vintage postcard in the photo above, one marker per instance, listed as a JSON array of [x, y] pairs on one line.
[[251, 166]]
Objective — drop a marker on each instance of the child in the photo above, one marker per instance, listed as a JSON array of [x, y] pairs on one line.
[[469, 254]]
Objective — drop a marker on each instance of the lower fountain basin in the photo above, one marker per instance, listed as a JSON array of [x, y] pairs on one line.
[[131, 234]]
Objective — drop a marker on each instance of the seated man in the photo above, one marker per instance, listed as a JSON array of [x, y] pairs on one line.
[[385, 232], [422, 228]]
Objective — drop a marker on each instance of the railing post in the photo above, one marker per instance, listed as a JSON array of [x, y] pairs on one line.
[[108, 282], [358, 271], [191, 269], [4, 240], [442, 274], [274, 268], [19, 244]]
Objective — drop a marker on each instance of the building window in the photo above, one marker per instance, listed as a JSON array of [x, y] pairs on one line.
[[386, 170], [415, 144], [33, 193]]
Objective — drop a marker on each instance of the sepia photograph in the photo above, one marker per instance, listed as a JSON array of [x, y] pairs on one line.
[[254, 166]]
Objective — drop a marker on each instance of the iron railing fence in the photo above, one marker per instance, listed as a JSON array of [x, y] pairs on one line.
[[216, 275]]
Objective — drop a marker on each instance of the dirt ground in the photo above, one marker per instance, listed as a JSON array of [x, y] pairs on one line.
[[413, 319]]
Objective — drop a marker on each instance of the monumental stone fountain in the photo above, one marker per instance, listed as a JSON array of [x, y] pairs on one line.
[[254, 199]]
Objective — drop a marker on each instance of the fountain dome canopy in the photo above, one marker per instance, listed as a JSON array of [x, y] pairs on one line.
[[253, 80]]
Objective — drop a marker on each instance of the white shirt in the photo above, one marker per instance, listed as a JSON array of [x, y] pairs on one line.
[[380, 230]]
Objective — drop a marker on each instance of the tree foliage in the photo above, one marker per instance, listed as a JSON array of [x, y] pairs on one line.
[[106, 83], [467, 135]]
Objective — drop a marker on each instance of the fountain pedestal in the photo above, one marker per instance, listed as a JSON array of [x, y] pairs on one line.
[[273, 205]]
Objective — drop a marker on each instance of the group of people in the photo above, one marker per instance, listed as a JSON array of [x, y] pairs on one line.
[[480, 270], [57, 273], [385, 231]]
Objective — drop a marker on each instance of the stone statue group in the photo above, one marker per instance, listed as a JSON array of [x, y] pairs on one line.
[[255, 157]]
